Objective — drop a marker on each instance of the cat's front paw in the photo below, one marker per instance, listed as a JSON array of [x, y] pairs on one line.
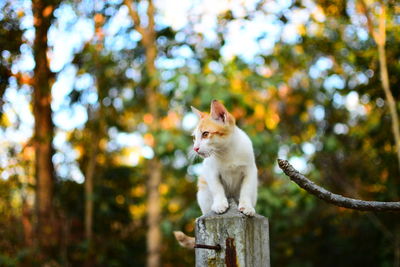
[[220, 206], [247, 209]]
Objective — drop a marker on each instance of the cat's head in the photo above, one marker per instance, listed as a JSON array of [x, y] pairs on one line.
[[213, 131]]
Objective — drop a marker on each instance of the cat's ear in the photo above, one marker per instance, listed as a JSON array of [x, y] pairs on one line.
[[198, 112], [219, 112]]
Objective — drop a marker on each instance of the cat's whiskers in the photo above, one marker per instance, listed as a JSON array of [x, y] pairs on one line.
[[192, 156], [214, 152], [219, 152]]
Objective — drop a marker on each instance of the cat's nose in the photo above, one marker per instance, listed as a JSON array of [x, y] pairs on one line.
[[196, 149]]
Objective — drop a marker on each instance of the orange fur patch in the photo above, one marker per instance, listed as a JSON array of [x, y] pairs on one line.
[[202, 183], [184, 240], [207, 124]]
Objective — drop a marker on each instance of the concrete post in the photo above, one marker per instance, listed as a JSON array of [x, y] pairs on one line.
[[243, 241]]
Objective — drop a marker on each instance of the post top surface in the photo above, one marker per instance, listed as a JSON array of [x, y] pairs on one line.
[[232, 212]]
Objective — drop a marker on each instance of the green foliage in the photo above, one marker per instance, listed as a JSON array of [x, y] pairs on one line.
[[317, 98], [9, 51]]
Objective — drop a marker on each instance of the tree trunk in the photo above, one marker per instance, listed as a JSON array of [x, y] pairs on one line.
[[154, 237], [44, 130], [96, 133], [27, 223], [390, 99], [379, 37], [155, 167], [154, 214], [96, 128], [89, 177]]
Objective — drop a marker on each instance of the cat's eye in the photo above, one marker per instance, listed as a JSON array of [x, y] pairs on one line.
[[205, 134]]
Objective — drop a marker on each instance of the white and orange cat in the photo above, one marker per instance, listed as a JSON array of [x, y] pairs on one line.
[[228, 168]]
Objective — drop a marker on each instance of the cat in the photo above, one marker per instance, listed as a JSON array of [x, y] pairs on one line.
[[228, 169]]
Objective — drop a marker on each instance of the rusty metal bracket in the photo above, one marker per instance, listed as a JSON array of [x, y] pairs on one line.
[[216, 247]]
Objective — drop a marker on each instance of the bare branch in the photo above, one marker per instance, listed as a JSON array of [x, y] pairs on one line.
[[370, 24], [385, 80], [150, 15], [332, 198], [380, 40], [382, 26], [135, 17]]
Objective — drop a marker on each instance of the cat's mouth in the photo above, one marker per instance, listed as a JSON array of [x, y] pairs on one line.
[[203, 154]]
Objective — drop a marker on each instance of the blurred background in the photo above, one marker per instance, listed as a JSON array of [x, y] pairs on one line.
[[95, 125]]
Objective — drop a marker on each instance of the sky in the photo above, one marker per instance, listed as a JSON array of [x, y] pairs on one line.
[[71, 31]]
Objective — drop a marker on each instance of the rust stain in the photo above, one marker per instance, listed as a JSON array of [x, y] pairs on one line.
[[230, 253]]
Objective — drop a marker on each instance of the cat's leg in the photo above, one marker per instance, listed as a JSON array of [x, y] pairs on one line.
[[210, 173], [248, 192], [220, 202], [204, 196]]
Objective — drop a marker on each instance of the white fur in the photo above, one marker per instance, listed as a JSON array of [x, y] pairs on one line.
[[230, 171]]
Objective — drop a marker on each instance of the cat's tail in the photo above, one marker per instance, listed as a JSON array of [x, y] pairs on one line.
[[184, 240]]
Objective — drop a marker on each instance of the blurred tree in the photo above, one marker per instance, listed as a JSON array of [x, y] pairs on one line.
[[148, 40], [379, 37], [309, 92], [331, 104], [96, 61], [96, 124], [42, 81]]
